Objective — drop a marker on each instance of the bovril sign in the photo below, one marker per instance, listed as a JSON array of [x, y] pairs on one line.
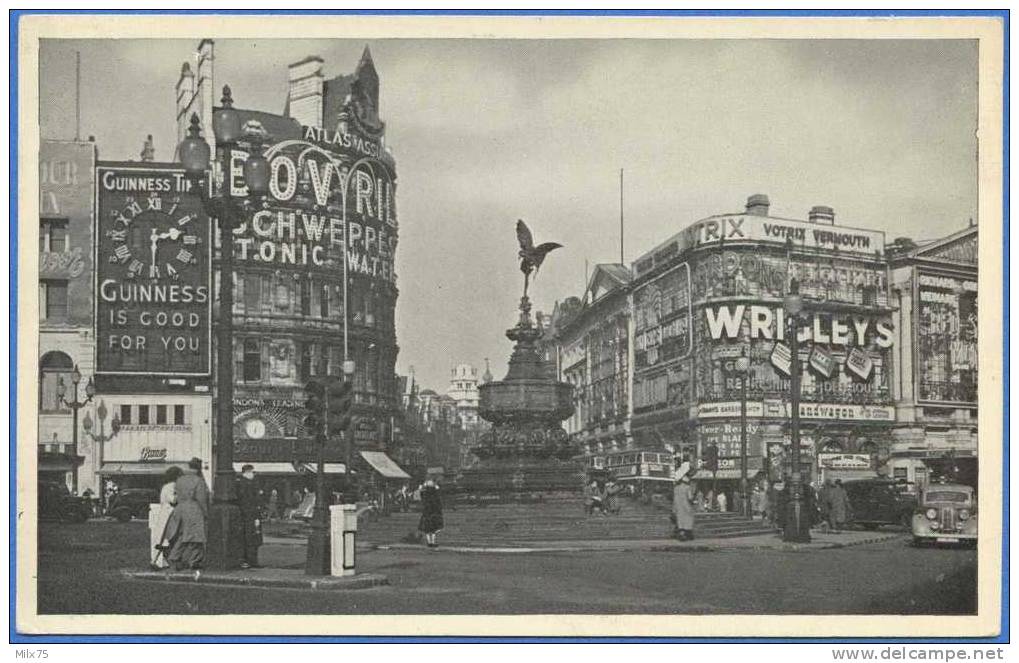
[[311, 182]]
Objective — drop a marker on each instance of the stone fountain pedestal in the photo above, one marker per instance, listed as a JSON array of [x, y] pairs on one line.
[[527, 451]]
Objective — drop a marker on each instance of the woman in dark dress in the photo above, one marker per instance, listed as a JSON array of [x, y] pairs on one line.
[[431, 512]]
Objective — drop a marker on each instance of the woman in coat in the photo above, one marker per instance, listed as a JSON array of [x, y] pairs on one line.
[[431, 512], [159, 517], [186, 527], [683, 497], [838, 505]]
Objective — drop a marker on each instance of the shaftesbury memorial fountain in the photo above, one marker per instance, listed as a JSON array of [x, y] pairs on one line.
[[526, 451]]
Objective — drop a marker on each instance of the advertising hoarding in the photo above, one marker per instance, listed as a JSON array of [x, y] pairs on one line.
[[153, 273], [946, 339]]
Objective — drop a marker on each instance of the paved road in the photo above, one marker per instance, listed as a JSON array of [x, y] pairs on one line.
[[80, 573]]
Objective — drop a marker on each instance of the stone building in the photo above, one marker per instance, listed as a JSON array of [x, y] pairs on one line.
[[934, 290], [330, 214]]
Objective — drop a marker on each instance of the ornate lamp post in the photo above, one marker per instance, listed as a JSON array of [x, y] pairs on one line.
[[795, 529], [225, 527], [101, 439], [743, 367], [75, 405]]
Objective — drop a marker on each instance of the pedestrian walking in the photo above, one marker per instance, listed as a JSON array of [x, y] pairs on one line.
[[838, 506], [723, 502], [612, 497], [683, 497], [249, 498], [431, 512], [756, 501], [186, 527], [593, 499], [824, 503], [161, 515], [274, 505]]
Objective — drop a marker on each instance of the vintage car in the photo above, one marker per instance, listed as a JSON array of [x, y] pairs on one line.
[[132, 503], [878, 501], [57, 503], [945, 513]]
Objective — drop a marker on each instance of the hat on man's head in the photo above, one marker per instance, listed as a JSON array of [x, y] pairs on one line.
[[195, 463], [247, 467]]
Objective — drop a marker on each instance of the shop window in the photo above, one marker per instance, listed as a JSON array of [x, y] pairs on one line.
[[161, 415], [900, 473], [54, 367], [53, 299], [252, 370], [52, 235], [178, 415], [125, 414], [143, 415]]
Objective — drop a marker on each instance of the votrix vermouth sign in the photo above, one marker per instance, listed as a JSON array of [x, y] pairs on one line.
[[153, 273]]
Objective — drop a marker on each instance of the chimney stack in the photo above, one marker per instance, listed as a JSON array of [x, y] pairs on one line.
[[822, 214], [757, 205]]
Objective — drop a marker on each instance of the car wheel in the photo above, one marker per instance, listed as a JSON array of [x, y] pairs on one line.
[[122, 515], [919, 542]]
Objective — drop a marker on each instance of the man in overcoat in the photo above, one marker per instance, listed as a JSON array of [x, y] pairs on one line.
[[249, 498]]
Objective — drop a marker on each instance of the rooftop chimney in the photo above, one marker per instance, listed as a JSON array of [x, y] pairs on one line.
[[758, 204], [822, 214]]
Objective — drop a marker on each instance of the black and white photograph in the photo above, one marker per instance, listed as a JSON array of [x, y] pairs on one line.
[[565, 326]]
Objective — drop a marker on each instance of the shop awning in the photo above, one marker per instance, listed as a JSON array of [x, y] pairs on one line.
[[269, 468], [384, 465], [724, 474], [330, 468], [135, 469]]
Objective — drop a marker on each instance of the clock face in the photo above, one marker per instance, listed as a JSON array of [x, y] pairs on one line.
[[154, 239], [255, 429]]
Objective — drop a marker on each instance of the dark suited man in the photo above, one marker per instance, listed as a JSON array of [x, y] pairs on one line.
[[249, 497]]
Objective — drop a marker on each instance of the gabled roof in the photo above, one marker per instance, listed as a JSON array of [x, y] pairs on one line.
[[605, 279], [959, 248]]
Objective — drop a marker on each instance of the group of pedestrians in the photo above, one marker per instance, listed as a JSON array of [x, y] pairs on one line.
[[602, 499], [185, 503]]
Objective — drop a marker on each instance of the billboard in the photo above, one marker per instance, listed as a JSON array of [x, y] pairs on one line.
[[153, 273], [946, 339]]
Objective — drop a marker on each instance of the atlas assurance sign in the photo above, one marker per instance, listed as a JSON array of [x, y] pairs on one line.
[[153, 273]]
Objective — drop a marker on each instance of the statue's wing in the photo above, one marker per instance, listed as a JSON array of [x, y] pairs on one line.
[[548, 246], [524, 236]]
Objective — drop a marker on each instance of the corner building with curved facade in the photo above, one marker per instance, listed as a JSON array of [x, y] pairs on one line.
[[713, 294], [330, 213]]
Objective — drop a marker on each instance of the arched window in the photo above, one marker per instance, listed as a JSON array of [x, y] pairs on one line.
[[54, 367]]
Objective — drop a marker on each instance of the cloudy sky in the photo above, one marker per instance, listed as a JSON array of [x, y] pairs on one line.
[[489, 131]]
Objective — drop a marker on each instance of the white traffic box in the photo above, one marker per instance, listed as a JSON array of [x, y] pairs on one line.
[[342, 538], [158, 515]]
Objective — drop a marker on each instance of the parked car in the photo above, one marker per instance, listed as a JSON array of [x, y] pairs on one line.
[[946, 513], [876, 502], [132, 503], [57, 502]]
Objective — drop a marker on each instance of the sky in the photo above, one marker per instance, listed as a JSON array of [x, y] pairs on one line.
[[486, 132]]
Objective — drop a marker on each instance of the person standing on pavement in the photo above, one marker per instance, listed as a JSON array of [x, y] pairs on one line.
[[186, 527], [838, 506], [167, 501], [431, 522], [274, 505], [683, 497], [249, 498]]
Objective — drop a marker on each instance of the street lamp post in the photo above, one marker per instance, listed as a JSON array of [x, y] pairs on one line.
[[101, 439], [75, 405], [225, 535], [795, 530], [743, 367]]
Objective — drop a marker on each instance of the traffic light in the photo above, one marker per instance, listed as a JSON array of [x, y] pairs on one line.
[[711, 457], [315, 407], [341, 401]]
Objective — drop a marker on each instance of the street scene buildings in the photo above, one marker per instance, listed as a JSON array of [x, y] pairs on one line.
[[756, 374]]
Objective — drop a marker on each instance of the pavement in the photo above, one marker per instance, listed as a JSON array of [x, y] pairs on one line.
[[80, 571]]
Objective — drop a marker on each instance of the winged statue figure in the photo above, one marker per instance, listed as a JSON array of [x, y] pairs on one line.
[[531, 256]]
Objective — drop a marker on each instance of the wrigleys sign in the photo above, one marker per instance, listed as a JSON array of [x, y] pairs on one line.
[[828, 328], [329, 192]]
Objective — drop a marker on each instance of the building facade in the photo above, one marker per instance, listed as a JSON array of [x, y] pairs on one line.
[[594, 355], [314, 279], [934, 289], [463, 388], [66, 338]]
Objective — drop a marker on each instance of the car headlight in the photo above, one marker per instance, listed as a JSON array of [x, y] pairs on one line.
[[963, 514], [932, 514]]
